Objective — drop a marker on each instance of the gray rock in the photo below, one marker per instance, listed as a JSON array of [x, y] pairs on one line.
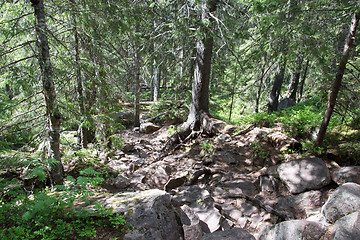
[[300, 205], [148, 127], [191, 223], [286, 103], [191, 194], [343, 201], [347, 227], [293, 230], [209, 215], [125, 118], [223, 138], [346, 174], [121, 182], [175, 182], [304, 174], [232, 234], [150, 212]]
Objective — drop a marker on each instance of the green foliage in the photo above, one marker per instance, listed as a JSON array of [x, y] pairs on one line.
[[258, 151], [51, 215], [207, 147]]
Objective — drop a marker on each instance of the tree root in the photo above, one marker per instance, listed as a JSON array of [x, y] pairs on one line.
[[260, 204], [197, 174]]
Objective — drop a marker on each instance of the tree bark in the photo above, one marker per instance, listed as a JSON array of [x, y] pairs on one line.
[[294, 80], [137, 86], [82, 135], [52, 112], [198, 118], [275, 91], [337, 83], [302, 82]]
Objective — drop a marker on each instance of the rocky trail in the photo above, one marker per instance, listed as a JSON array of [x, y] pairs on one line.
[[241, 184]]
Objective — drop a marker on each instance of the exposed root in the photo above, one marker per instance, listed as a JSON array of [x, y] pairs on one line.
[[197, 174], [260, 204]]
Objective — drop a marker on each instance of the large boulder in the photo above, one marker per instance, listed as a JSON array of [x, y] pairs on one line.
[[294, 229], [304, 174], [150, 212], [347, 227], [343, 201], [346, 174], [231, 234]]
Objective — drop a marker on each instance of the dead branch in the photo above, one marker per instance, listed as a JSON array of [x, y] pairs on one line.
[[260, 204], [17, 61]]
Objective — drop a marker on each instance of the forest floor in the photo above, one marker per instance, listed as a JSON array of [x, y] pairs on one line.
[[236, 170]]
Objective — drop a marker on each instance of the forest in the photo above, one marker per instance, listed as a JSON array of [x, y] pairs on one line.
[[84, 84]]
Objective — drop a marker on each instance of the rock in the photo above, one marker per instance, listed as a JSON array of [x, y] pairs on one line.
[[346, 174], [121, 182], [232, 234], [223, 138], [209, 215], [240, 186], [191, 194], [226, 157], [304, 174], [286, 103], [125, 118], [300, 205], [174, 183], [155, 176], [347, 227], [293, 230], [150, 212], [344, 200], [284, 142], [148, 127], [191, 223]]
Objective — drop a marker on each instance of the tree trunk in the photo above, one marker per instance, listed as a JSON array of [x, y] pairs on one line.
[[52, 112], [258, 95], [302, 83], [232, 94], [337, 83], [156, 83], [137, 88], [294, 80], [198, 118], [275, 91], [83, 131]]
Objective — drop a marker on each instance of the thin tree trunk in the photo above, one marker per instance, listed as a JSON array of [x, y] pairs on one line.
[[80, 90], [137, 88], [258, 95], [302, 82], [52, 112], [337, 83], [156, 83], [232, 94]]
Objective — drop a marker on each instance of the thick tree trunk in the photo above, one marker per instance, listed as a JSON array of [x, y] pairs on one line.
[[294, 80], [53, 115], [275, 91], [337, 83], [198, 119]]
